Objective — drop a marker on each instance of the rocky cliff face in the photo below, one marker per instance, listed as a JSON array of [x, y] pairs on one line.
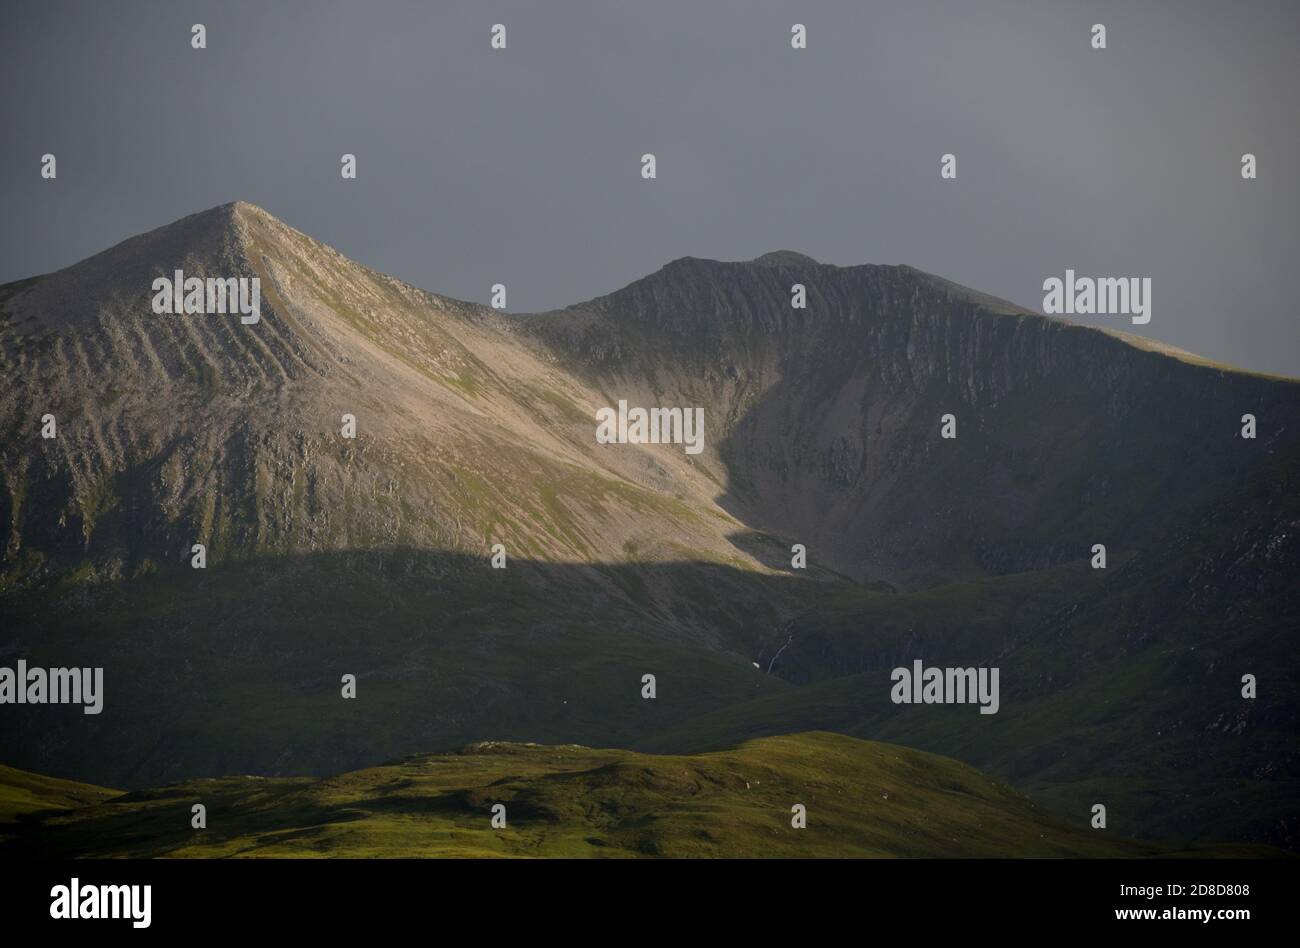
[[827, 419]]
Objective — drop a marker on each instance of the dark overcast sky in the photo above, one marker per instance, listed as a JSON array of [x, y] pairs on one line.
[[479, 166]]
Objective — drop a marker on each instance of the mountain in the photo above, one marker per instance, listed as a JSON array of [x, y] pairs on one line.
[[370, 556], [174, 429], [829, 417]]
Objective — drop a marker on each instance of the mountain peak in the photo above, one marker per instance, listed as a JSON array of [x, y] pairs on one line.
[[224, 221], [236, 208], [785, 258], [245, 211]]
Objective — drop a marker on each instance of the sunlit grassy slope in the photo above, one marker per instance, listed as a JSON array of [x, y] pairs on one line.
[[863, 799], [23, 794]]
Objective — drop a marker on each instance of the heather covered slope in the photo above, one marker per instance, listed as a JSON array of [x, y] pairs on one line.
[[329, 556], [861, 799]]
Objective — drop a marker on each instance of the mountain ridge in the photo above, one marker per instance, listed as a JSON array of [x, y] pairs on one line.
[[821, 423], [238, 211], [371, 555]]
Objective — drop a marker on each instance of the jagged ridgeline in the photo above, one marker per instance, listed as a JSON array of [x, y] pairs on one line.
[[369, 555]]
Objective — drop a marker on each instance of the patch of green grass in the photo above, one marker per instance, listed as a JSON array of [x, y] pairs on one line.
[[96, 501]]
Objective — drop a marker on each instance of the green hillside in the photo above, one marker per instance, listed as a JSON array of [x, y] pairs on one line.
[[23, 794], [862, 799]]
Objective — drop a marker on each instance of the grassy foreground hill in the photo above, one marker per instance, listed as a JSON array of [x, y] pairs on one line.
[[862, 799]]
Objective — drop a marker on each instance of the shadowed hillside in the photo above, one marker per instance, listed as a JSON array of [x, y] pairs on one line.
[[237, 669]]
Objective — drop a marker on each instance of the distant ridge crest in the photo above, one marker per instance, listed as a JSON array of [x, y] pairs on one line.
[[785, 258]]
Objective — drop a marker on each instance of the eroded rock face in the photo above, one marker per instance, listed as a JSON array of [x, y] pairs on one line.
[[195, 428], [822, 424], [829, 417]]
